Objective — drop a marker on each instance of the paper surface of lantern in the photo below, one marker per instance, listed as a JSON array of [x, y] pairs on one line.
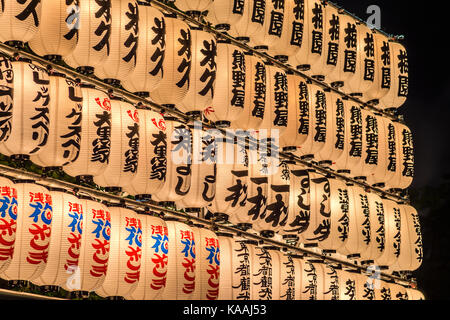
[[175, 82], [152, 162], [57, 34], [125, 253], [399, 292], [8, 222], [377, 226], [124, 151], [95, 143], [65, 112], [244, 264], [6, 97], [203, 73], [332, 282], [230, 89], [227, 262], [266, 273], [273, 25], [196, 5], [392, 228], [124, 39], [348, 287], [289, 278], [94, 23], [65, 240], [312, 283], [252, 21], [179, 162], [30, 114], [224, 13], [182, 262], [150, 52], [385, 291], [155, 255], [33, 231], [414, 294], [405, 156], [19, 20], [365, 289]]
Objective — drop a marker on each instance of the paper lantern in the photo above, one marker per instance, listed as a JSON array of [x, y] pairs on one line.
[[176, 65], [414, 294], [124, 264], [94, 248], [227, 264], [312, 283], [255, 98], [202, 77], [225, 13], [405, 157], [65, 112], [150, 52], [332, 282], [273, 25], [152, 162], [231, 87], [6, 98], [57, 34], [154, 259], [365, 289], [20, 20], [8, 222], [124, 39], [181, 263], [193, 6], [385, 291], [252, 21], [266, 273], [179, 162], [95, 143], [30, 115], [94, 23], [348, 285], [65, 240], [399, 292], [289, 277], [33, 231], [398, 92], [244, 264], [377, 227], [392, 228]]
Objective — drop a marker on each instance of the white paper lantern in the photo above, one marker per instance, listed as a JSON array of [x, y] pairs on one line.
[[124, 40], [332, 282], [95, 143], [33, 231], [150, 52], [195, 6], [244, 264], [266, 273], [312, 282], [6, 98], [176, 65], [392, 228], [57, 34], [154, 260], [225, 13], [30, 115], [377, 227], [252, 21], [8, 222], [65, 112], [94, 23], [19, 20], [124, 264], [273, 25], [182, 262], [290, 273], [405, 156]]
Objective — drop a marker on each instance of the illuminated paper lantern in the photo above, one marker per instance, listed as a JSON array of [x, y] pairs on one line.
[[94, 23], [30, 115], [124, 39], [150, 52], [124, 151], [398, 92], [348, 285], [273, 25], [392, 229], [365, 289], [385, 292], [65, 112], [203, 73], [377, 227], [20, 20], [266, 273], [57, 34], [405, 157], [399, 292], [289, 277], [65, 240], [8, 222], [332, 282], [6, 98], [181, 263], [252, 21], [193, 6], [152, 162], [179, 162], [225, 13], [176, 65], [226, 275], [229, 97], [124, 264], [312, 280], [33, 231], [155, 255], [414, 294]]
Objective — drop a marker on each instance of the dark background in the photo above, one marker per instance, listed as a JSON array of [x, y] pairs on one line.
[[426, 112]]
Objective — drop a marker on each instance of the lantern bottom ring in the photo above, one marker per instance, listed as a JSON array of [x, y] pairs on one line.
[[318, 77], [53, 57], [222, 124], [85, 70], [303, 67], [282, 58]]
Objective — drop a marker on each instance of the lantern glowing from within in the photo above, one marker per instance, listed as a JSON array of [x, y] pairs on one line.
[[385, 291], [33, 230], [252, 21], [179, 162], [244, 264], [312, 280], [8, 220], [176, 64], [365, 288], [30, 114], [399, 292], [155, 255], [225, 13], [124, 264], [124, 39], [377, 225], [19, 20], [63, 144], [6, 98], [348, 285], [150, 52], [57, 35], [266, 273], [392, 229], [95, 143], [272, 27], [124, 152], [193, 5], [332, 282], [405, 157], [64, 247], [94, 23], [203, 73], [181, 263], [229, 97], [227, 264], [289, 277]]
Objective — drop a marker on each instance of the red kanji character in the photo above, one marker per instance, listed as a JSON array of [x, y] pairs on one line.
[[132, 277], [108, 216], [213, 271], [158, 284], [40, 233], [6, 253], [99, 270], [189, 288], [14, 193], [7, 227], [37, 257], [98, 214], [212, 294], [6, 191], [189, 265], [134, 253], [48, 199], [101, 247], [160, 261], [157, 229]]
